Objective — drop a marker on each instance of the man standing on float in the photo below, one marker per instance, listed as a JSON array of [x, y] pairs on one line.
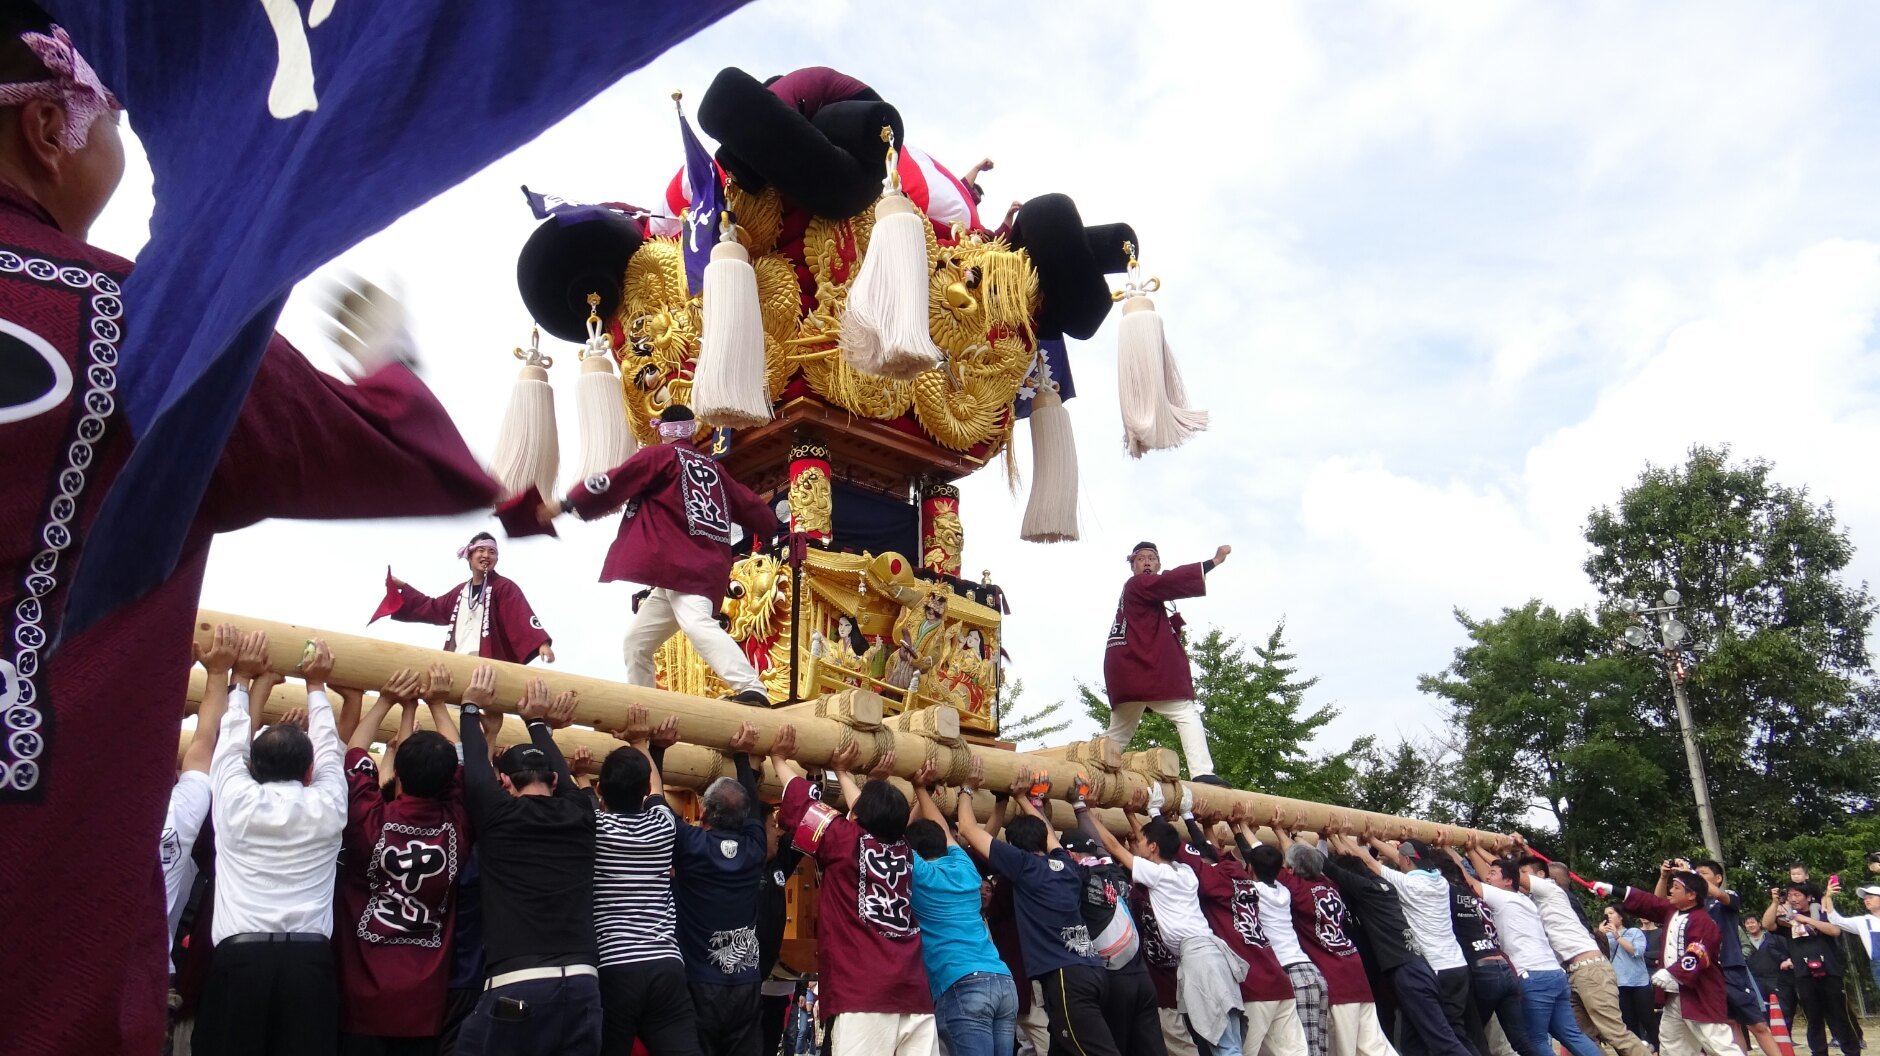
[[675, 537], [487, 613], [1145, 664]]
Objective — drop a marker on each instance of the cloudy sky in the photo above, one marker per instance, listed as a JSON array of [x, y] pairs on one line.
[[1448, 276]]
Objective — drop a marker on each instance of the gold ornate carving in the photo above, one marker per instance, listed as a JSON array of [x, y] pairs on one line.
[[810, 502], [940, 550]]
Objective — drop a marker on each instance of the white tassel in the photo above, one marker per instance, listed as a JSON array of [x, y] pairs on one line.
[[884, 327], [1156, 414], [528, 448], [1051, 512], [606, 439], [728, 384]]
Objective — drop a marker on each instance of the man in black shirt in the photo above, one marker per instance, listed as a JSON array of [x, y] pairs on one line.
[[535, 847], [1130, 1001], [1493, 984], [773, 912], [1814, 952]]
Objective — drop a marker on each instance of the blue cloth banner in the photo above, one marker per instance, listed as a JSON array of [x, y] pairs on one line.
[[701, 214], [280, 134], [1056, 367]]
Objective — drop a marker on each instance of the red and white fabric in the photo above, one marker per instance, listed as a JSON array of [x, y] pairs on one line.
[[927, 183]]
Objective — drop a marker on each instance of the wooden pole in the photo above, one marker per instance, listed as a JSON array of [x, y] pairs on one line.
[[823, 726]]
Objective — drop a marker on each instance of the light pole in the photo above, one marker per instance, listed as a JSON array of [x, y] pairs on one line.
[[1671, 635]]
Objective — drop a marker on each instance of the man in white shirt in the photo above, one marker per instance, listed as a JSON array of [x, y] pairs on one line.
[[1866, 926], [280, 811], [1545, 989], [1589, 972], [1425, 898], [1264, 861], [189, 800]]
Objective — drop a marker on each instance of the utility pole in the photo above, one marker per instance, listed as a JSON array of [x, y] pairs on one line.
[[1671, 635]]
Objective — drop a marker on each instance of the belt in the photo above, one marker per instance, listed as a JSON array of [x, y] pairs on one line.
[[1584, 958], [273, 936], [524, 975]]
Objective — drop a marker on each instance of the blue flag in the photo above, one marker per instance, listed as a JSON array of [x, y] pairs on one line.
[[1054, 366], [281, 133], [701, 215]]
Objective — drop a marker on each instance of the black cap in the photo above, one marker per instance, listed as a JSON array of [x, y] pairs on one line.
[[580, 251], [1417, 851], [677, 412], [1080, 843], [520, 757]]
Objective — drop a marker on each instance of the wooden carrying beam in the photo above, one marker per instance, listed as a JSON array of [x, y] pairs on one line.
[[823, 726]]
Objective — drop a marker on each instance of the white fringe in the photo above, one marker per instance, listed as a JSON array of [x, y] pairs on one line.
[[528, 448], [606, 440], [1051, 512], [728, 385], [884, 326], [1156, 415]]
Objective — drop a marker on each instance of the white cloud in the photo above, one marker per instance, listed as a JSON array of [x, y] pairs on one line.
[[1448, 275]]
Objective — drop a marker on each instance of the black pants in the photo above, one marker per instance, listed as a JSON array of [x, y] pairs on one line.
[[369, 1045], [1428, 1009], [1635, 1008], [1130, 1010], [771, 1014], [542, 1017], [650, 1002], [1073, 1008], [1823, 1002], [458, 1004], [727, 1019], [1496, 992], [269, 999]]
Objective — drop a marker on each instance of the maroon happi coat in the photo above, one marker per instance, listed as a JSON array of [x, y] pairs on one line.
[[1232, 906], [78, 845], [1144, 659], [511, 629], [1319, 919], [1694, 963], [676, 532]]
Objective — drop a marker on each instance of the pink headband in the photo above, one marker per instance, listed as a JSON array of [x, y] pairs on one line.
[[74, 85], [677, 430], [470, 548]]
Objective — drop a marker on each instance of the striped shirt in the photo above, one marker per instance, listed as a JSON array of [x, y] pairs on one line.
[[634, 919]]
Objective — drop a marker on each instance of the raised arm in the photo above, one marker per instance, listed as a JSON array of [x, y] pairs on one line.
[[743, 744], [329, 772], [924, 806], [350, 701], [402, 682], [217, 661], [439, 695], [1031, 797], [971, 832], [544, 717], [1775, 906], [780, 752], [638, 732], [480, 786]]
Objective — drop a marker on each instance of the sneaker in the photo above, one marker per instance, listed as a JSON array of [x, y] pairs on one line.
[[750, 697], [1208, 779]]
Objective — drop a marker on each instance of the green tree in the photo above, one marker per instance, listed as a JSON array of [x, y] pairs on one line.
[[1028, 727], [1259, 726], [1781, 685]]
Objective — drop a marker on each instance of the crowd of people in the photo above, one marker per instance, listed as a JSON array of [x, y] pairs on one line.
[[453, 897]]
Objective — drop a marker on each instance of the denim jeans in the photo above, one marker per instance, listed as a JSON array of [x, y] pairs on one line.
[[1545, 997], [1497, 994], [978, 1015]]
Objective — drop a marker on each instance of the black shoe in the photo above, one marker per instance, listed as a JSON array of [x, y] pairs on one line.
[[1208, 779], [750, 697]]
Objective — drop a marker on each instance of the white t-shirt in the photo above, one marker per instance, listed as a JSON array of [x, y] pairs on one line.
[[1518, 927], [189, 808], [1175, 895], [1276, 921], [1567, 935], [1425, 898], [1867, 926], [467, 634]]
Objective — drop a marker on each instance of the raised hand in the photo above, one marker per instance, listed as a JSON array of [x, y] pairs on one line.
[[561, 710], [1220, 554], [580, 759], [666, 734], [482, 688], [844, 759], [745, 740], [437, 685], [638, 728], [785, 745], [927, 776], [1021, 784], [975, 774], [317, 668], [294, 717], [883, 768], [251, 657], [402, 687], [224, 645], [1138, 802], [534, 704], [1081, 787]]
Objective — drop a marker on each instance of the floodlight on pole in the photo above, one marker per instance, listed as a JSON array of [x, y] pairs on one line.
[[1671, 636]]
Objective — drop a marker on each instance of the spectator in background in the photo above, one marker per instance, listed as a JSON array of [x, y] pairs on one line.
[[535, 846], [1815, 959], [974, 998], [280, 808], [1768, 960], [399, 873], [1696, 1016], [1866, 926], [1626, 949], [644, 996], [876, 992]]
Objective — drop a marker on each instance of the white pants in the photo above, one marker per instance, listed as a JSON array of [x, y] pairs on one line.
[[1678, 1036], [1356, 1031], [1124, 718], [665, 611], [1034, 1027], [1175, 1036], [1273, 1029], [883, 1034]]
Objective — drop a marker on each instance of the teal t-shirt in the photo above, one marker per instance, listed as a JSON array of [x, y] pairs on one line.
[[954, 942]]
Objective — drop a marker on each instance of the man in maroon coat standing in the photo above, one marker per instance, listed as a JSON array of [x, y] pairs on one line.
[[1696, 1011], [676, 538], [487, 614], [77, 863], [1145, 665]]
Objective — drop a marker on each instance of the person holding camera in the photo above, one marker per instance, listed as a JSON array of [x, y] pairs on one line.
[[1866, 925], [1815, 958]]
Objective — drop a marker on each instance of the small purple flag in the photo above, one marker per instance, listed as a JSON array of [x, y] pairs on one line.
[[1054, 366], [706, 192]]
